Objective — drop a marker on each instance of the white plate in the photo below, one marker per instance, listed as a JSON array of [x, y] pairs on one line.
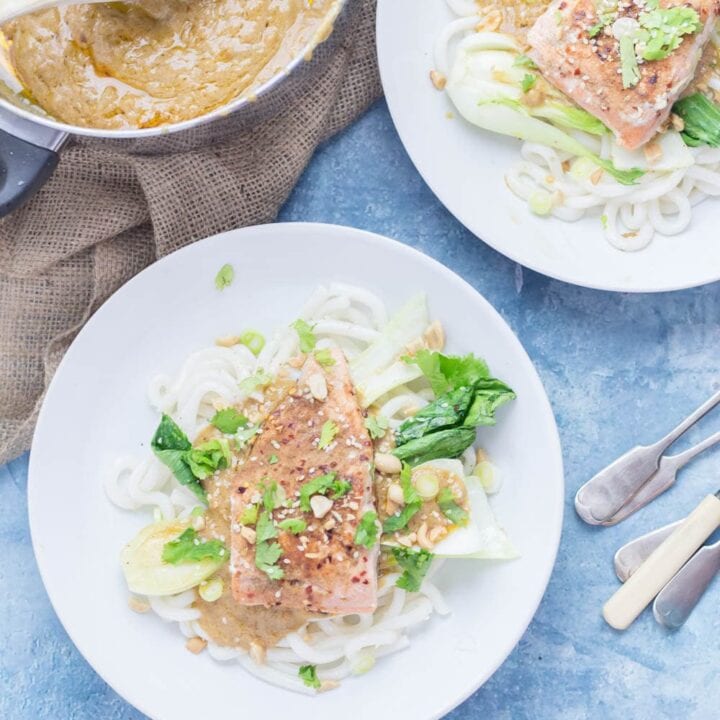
[[96, 410], [465, 167]]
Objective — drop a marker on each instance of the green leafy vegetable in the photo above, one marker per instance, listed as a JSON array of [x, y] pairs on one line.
[[701, 118], [273, 495], [273, 459], [410, 494], [525, 61], [171, 446], [308, 674], [415, 564], [225, 277], [249, 515], [266, 553], [533, 129], [528, 82], [293, 525], [327, 434], [449, 410], [247, 433], [450, 509], [189, 547], [266, 557], [664, 29], [569, 116], [367, 530], [377, 426], [441, 444], [629, 62], [306, 336], [253, 341], [324, 357], [229, 420], [208, 457], [490, 394], [250, 384], [412, 506], [328, 484], [596, 29], [448, 372]]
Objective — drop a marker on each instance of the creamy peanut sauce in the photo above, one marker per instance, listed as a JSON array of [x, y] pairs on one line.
[[429, 517], [155, 62], [225, 621]]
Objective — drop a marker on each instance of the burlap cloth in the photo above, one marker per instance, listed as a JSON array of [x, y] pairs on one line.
[[109, 211]]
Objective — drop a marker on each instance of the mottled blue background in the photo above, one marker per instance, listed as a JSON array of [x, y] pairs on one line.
[[619, 369]]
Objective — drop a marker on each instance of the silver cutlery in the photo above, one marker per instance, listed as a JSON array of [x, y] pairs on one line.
[[678, 598], [663, 563], [632, 555], [602, 497], [663, 479]]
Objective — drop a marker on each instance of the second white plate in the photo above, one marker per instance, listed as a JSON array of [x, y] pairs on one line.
[[96, 410], [465, 167]]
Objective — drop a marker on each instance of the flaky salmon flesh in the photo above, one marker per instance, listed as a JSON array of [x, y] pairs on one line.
[[588, 69], [323, 569]]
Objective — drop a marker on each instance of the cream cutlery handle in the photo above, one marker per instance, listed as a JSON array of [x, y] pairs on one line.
[[649, 579]]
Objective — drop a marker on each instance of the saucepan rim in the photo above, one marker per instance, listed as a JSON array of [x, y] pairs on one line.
[[221, 112]]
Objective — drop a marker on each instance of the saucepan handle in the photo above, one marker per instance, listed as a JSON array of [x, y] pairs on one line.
[[24, 169]]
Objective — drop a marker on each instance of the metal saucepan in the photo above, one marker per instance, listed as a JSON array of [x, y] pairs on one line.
[[30, 140]]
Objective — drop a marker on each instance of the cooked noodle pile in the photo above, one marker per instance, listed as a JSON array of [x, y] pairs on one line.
[[342, 316], [661, 202]]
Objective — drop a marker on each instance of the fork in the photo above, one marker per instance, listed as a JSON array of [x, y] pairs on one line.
[[600, 499]]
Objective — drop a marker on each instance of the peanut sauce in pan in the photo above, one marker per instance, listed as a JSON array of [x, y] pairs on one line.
[[149, 63]]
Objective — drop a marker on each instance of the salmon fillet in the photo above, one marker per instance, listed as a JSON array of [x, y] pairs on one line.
[[324, 570], [587, 69]]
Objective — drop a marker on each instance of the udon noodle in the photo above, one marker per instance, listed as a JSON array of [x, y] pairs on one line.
[[660, 203]]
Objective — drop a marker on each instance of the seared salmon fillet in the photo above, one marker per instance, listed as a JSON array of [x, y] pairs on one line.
[[579, 54], [316, 434]]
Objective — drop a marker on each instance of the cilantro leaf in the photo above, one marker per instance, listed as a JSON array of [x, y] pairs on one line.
[[273, 459], [188, 548], [308, 674], [399, 520], [450, 509], [229, 420], [273, 495], [225, 277], [265, 528], [293, 525], [324, 357], [266, 556], [664, 30], [306, 336], [376, 425], [323, 485], [447, 372], [528, 82], [628, 62], [415, 564], [208, 457], [327, 434], [367, 530], [171, 445]]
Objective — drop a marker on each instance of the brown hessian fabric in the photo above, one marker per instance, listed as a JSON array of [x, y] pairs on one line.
[[112, 208]]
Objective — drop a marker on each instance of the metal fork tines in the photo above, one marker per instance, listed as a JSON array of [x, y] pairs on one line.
[[640, 475]]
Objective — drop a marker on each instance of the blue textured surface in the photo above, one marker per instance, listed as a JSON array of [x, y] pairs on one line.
[[619, 370]]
